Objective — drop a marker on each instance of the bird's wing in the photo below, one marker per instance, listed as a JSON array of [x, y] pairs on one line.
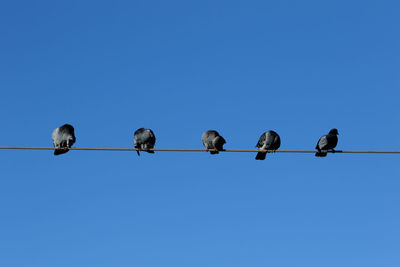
[[138, 137], [269, 140], [54, 136], [204, 138], [322, 142], [261, 141]]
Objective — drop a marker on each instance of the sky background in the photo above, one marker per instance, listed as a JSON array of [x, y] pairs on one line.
[[181, 68]]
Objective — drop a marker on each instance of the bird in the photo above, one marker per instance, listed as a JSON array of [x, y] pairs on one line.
[[327, 142], [63, 138], [212, 140], [268, 141], [144, 139]]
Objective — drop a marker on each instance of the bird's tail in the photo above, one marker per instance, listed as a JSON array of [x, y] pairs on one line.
[[213, 152], [321, 154], [59, 151], [261, 155], [137, 151], [147, 148]]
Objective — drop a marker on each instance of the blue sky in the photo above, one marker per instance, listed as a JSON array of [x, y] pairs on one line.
[[180, 68]]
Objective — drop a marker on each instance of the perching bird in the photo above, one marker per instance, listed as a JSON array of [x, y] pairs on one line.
[[327, 142], [63, 139], [144, 139], [212, 140], [268, 141]]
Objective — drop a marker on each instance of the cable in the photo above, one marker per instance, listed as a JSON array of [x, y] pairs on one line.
[[203, 150]]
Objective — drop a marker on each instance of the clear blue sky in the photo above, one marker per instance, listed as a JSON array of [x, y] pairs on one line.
[[180, 68]]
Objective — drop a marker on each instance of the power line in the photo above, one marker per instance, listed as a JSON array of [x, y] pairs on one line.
[[203, 150]]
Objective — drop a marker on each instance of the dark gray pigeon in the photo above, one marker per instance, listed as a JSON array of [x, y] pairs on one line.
[[63, 139], [268, 141], [327, 142], [212, 140], [144, 139]]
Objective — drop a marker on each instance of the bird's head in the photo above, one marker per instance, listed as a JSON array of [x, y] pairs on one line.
[[334, 131]]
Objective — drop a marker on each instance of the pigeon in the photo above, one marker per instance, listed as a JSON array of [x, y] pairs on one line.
[[327, 142], [212, 140], [63, 139], [268, 141], [144, 139]]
